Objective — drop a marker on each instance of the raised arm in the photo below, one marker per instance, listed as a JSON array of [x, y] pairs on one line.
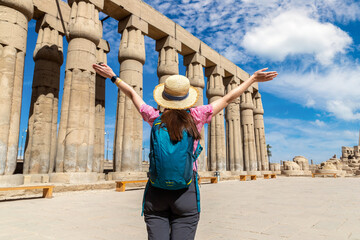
[[258, 76], [105, 71]]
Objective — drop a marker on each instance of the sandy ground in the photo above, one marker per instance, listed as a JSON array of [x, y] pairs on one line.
[[283, 208]]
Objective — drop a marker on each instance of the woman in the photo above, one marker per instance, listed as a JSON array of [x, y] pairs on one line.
[[174, 214]]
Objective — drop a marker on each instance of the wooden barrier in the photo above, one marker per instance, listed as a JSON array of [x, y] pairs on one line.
[[268, 175], [47, 189], [212, 179], [120, 185], [243, 177], [333, 174]]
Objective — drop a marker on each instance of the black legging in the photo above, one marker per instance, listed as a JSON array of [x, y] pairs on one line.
[[171, 214]]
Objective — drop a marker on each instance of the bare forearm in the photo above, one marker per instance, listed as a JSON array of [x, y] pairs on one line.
[[130, 93], [236, 92], [223, 102]]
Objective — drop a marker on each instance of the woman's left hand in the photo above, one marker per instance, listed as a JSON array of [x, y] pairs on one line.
[[262, 76]]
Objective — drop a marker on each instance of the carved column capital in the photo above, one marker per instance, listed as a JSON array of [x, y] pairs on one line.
[[26, 7], [84, 21]]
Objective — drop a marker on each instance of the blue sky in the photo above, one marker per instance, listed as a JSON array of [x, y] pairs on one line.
[[313, 106]]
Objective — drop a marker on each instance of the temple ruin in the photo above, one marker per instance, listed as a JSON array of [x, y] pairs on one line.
[[75, 152]]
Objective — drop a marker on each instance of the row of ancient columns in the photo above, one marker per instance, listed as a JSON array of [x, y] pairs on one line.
[[78, 146]]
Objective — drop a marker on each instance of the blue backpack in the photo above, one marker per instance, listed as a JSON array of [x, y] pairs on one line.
[[171, 163]]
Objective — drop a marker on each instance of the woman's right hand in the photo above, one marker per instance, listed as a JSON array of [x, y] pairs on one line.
[[103, 70], [262, 76]]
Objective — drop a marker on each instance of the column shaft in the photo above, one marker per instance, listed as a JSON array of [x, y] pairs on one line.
[[99, 139], [216, 136], [42, 126], [234, 144], [77, 122], [128, 138], [247, 124], [194, 72], [263, 162], [14, 17], [168, 61]]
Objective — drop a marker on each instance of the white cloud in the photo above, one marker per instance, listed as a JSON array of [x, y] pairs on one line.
[[293, 33], [333, 89], [222, 24]]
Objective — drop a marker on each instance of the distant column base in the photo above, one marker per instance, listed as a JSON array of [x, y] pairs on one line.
[[76, 177], [296, 173], [36, 178], [126, 176], [11, 180], [257, 173]]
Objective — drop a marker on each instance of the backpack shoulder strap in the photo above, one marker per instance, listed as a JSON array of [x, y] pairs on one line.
[[198, 150], [157, 121]]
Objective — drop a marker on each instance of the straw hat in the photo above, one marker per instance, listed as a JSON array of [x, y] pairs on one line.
[[176, 93]]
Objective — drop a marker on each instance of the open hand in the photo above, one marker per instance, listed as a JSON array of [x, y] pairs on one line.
[[103, 70], [262, 76]]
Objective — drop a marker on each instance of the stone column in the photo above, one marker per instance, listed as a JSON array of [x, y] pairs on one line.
[[247, 128], [216, 128], [233, 129], [14, 17], [77, 123], [261, 152], [195, 73], [128, 138], [99, 140], [42, 126], [168, 61]]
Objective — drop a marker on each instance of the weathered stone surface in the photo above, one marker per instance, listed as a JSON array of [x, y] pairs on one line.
[[14, 17], [74, 177], [128, 139], [77, 123], [260, 143], [40, 147], [235, 161], [194, 72], [216, 129], [247, 128], [11, 180], [168, 61], [99, 138]]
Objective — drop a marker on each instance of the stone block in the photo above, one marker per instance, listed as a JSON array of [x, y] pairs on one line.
[[74, 177], [13, 35], [104, 45], [99, 4], [189, 42], [126, 175], [36, 178], [135, 22], [159, 23], [242, 74], [101, 176], [26, 7], [257, 173], [53, 22], [227, 65], [27, 179], [168, 42], [212, 57], [11, 180], [216, 70], [50, 7], [116, 8], [194, 58]]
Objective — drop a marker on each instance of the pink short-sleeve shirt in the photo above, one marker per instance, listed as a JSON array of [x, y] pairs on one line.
[[201, 115]]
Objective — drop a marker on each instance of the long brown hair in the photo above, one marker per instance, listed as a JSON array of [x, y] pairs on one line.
[[178, 120]]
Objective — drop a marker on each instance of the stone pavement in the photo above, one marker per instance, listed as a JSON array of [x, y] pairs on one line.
[[283, 208]]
